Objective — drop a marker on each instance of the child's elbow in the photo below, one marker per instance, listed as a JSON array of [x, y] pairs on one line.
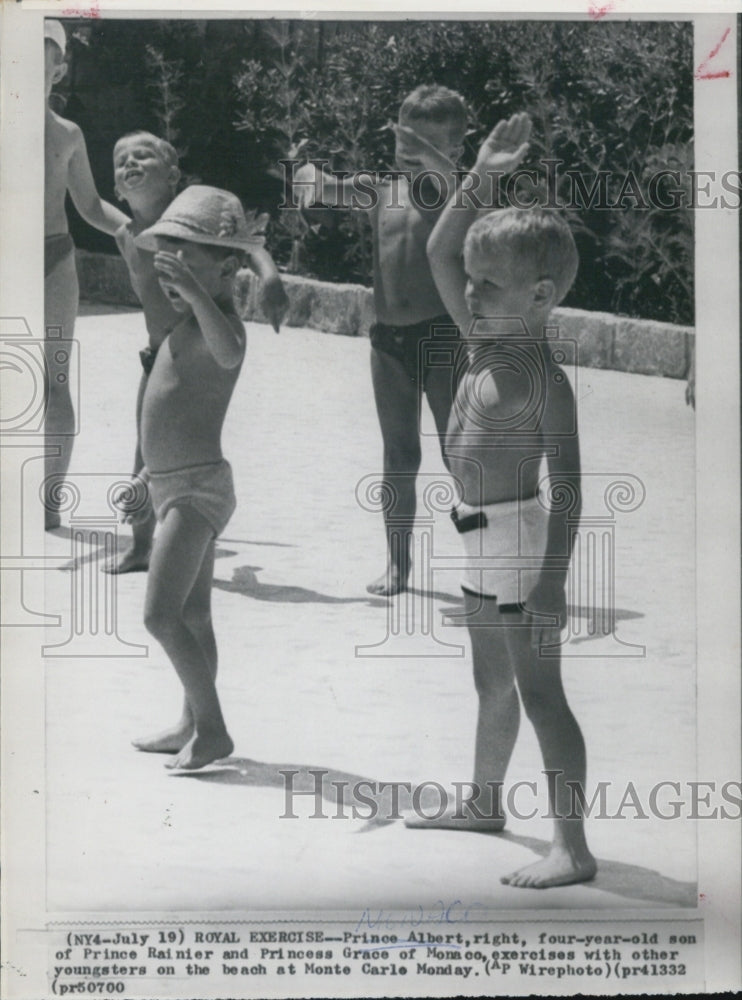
[[229, 360]]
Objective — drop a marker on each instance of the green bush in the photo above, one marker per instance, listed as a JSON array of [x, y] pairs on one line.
[[237, 96]]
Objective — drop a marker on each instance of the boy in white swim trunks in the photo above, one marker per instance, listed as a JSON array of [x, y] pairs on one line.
[[513, 408], [198, 245], [146, 174], [66, 169]]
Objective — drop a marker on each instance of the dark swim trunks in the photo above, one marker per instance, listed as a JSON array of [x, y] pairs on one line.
[[56, 248], [147, 357], [403, 343]]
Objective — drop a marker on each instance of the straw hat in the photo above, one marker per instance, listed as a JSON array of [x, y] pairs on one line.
[[209, 215], [54, 30]]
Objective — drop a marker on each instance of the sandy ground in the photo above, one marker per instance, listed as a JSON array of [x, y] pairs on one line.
[[316, 674]]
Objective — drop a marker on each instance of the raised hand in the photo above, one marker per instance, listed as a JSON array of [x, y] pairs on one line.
[[505, 146], [176, 276], [307, 186]]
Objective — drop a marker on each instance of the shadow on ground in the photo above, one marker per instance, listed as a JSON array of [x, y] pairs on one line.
[[99, 552], [340, 794], [629, 881], [245, 581], [596, 618]]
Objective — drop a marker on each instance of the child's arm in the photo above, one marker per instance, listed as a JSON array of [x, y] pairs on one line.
[[319, 192], [224, 336], [81, 185], [273, 298], [502, 151], [413, 147], [560, 430]]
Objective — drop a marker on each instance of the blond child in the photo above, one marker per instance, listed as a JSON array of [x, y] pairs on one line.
[[514, 409], [146, 176]]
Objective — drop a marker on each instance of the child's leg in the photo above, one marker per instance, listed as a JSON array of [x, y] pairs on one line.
[[398, 407], [136, 558], [563, 750], [197, 616], [61, 299], [177, 602], [497, 721], [440, 389]]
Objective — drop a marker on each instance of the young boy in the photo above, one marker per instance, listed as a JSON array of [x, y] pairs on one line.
[[197, 246], [66, 169], [513, 408], [146, 176], [407, 304]]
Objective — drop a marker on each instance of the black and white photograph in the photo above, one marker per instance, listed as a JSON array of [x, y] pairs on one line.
[[370, 475]]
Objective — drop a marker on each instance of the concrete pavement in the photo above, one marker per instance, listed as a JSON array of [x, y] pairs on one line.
[[301, 681]]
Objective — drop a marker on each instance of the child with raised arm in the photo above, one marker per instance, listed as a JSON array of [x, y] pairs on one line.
[[146, 175], [514, 408], [197, 245], [66, 168], [407, 304]]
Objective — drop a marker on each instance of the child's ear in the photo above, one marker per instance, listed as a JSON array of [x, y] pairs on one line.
[[230, 265], [174, 175], [544, 294], [60, 71]]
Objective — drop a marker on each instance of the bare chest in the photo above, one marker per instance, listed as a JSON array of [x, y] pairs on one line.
[[402, 230]]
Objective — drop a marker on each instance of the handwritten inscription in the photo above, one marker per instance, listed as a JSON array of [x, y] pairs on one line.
[[704, 72]]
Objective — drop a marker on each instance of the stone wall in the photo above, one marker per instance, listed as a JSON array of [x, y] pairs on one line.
[[600, 340]]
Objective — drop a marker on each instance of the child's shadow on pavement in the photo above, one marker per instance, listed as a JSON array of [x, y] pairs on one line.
[[621, 879], [245, 581], [100, 551], [335, 788], [329, 784]]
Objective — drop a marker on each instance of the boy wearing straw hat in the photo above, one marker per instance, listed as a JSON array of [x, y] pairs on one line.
[[66, 169], [198, 245], [146, 174]]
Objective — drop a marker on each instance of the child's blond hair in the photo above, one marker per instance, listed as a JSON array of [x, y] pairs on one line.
[[536, 239], [168, 152]]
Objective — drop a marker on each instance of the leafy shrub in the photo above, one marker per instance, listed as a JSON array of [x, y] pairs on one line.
[[608, 99]]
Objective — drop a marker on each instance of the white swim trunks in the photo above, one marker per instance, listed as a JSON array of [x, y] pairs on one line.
[[209, 488], [505, 544]]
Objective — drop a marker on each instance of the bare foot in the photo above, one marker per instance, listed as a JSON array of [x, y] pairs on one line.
[[203, 750], [392, 582], [52, 520], [168, 741], [559, 867], [462, 817], [132, 561]]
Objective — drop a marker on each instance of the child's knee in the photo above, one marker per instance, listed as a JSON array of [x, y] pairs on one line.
[[197, 619], [402, 456], [161, 619], [493, 683], [541, 705]]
